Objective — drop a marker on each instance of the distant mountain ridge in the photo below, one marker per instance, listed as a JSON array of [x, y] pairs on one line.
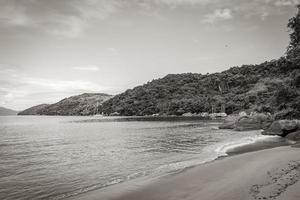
[[7, 111], [84, 104]]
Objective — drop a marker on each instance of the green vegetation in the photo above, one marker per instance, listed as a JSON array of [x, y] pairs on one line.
[[268, 87], [84, 104], [35, 110]]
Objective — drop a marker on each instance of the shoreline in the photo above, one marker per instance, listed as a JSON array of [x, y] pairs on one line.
[[169, 186], [263, 174]]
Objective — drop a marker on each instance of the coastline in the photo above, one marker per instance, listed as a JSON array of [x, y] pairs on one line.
[[271, 173]]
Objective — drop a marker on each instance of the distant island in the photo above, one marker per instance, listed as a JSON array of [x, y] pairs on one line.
[[7, 111]]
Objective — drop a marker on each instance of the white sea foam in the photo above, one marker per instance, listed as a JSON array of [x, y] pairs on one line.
[[208, 154], [224, 147]]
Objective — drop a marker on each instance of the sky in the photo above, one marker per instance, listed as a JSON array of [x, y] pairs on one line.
[[52, 49]]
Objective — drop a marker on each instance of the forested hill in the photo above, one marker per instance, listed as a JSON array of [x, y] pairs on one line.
[[83, 104], [271, 86], [35, 110]]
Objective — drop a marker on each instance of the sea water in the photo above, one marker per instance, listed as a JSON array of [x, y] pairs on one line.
[[51, 157]]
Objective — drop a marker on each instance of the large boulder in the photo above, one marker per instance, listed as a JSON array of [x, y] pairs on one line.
[[253, 122], [229, 122], [282, 127], [247, 123], [295, 136], [189, 114]]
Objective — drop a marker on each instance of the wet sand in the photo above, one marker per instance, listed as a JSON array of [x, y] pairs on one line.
[[266, 174]]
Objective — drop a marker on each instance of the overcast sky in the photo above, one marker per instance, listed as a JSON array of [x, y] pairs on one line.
[[51, 49]]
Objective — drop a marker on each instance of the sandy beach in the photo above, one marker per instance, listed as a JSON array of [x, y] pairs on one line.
[[265, 174]]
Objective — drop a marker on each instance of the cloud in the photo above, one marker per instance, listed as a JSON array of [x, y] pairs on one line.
[[113, 51], [62, 85], [87, 68], [71, 18], [19, 91], [286, 3], [14, 16], [69, 26], [218, 15], [68, 18], [183, 2]]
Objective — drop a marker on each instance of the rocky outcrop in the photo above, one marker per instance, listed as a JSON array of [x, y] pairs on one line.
[[256, 121], [282, 127], [253, 122], [247, 123], [290, 129], [229, 122], [295, 136]]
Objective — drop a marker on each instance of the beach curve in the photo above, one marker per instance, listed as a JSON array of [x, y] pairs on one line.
[[265, 174]]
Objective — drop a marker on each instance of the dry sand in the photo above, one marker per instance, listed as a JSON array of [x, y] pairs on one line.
[[266, 174]]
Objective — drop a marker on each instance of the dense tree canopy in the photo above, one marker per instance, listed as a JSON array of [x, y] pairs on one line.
[[294, 28], [271, 86]]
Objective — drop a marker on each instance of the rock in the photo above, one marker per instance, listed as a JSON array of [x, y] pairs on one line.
[[217, 115], [221, 115], [265, 119], [204, 114], [187, 114], [115, 114], [242, 114], [295, 136], [255, 122], [229, 122], [228, 125], [282, 127], [246, 123]]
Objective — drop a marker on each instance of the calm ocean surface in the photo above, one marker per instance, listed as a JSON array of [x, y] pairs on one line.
[[45, 157]]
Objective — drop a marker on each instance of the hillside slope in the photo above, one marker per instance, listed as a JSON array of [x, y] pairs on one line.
[[35, 110], [6, 111], [83, 104], [271, 86]]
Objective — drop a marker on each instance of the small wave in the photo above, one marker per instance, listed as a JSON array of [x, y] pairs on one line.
[[88, 189], [222, 148], [211, 153], [208, 154]]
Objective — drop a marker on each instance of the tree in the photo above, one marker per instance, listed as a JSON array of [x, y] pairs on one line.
[[294, 28], [293, 50]]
